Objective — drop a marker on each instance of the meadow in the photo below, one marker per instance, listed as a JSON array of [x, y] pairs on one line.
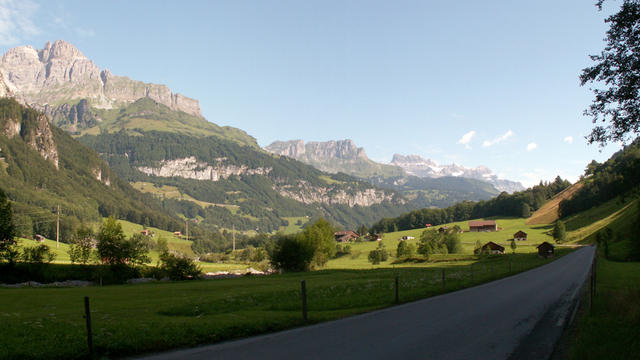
[[134, 319]]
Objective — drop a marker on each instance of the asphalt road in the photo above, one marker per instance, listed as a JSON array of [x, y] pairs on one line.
[[518, 317]]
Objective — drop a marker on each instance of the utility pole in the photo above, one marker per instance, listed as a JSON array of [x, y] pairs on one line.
[[187, 222], [234, 238], [58, 228]]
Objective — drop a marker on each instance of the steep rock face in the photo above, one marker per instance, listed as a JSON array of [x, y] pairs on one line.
[[71, 117], [417, 166], [318, 151], [37, 134], [191, 168], [61, 73], [333, 156], [309, 194]]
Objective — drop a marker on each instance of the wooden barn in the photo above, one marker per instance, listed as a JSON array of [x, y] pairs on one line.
[[490, 248], [39, 238], [545, 249], [484, 225], [520, 236], [345, 236]]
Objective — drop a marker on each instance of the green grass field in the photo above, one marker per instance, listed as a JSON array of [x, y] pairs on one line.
[[611, 330], [537, 234], [133, 319]]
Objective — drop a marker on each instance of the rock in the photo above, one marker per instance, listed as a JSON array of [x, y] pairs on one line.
[[191, 168], [59, 73]]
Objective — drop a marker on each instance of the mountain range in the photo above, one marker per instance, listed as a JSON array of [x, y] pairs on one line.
[[344, 156], [158, 143]]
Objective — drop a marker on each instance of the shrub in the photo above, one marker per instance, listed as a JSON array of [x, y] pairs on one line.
[[179, 267]]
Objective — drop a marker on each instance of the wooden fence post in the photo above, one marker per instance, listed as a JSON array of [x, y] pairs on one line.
[[87, 316], [303, 285], [397, 295]]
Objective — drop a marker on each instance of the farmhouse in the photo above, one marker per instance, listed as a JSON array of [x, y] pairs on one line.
[[177, 233], [486, 225], [345, 236], [545, 249], [520, 236], [490, 248], [39, 238], [145, 232], [407, 238]]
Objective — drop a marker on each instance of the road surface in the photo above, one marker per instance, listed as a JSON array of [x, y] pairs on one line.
[[519, 317]]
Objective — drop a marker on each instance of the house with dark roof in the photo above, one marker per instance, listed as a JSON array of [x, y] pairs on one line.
[[520, 236], [483, 225], [545, 249], [490, 248]]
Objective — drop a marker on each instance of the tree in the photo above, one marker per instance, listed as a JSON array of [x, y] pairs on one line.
[[7, 229], [405, 250], [179, 267], [320, 237], [378, 255], [617, 73], [559, 231], [513, 245], [81, 247], [526, 210], [38, 254], [453, 243], [478, 247], [115, 249], [362, 230], [290, 253]]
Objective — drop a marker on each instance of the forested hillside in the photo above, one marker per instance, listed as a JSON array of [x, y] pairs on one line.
[[240, 186], [519, 204], [42, 167]]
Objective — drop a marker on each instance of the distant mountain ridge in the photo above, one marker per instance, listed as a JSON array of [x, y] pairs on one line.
[[426, 168], [333, 157]]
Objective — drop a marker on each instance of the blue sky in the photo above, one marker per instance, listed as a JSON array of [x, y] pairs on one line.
[[491, 83]]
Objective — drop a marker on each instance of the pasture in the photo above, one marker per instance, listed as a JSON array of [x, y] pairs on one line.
[[133, 319]]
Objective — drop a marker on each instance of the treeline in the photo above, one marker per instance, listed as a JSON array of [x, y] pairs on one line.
[[603, 182], [519, 204]]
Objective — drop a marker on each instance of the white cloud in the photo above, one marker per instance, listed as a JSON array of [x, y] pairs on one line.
[[531, 146], [568, 139], [466, 138], [16, 22], [498, 139]]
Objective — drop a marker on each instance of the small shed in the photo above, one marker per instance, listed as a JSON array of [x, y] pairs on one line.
[[145, 232], [443, 229], [39, 238], [177, 233], [485, 225], [407, 238], [490, 248], [545, 249], [520, 236], [427, 225]]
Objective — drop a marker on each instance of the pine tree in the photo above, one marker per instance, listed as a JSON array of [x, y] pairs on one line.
[[559, 231], [7, 228]]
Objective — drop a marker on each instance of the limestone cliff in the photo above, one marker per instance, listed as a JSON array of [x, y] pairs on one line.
[[333, 156], [36, 133], [60, 73], [309, 194], [191, 168]]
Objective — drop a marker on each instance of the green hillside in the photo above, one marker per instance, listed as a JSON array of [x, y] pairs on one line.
[[83, 185], [262, 193], [145, 114]]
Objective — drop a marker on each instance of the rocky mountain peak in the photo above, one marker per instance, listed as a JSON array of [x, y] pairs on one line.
[[60, 73]]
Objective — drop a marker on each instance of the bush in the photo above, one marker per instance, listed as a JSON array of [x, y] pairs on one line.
[[378, 255], [179, 267], [292, 254], [38, 254]]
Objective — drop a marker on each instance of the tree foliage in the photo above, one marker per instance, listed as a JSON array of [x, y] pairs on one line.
[[7, 229], [559, 231], [115, 249], [405, 250], [378, 255], [81, 248], [615, 110]]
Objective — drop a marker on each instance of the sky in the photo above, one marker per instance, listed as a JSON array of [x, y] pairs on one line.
[[491, 83]]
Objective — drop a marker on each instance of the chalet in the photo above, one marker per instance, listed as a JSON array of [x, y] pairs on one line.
[[407, 238], [375, 237], [345, 236], [177, 233], [545, 249], [520, 236], [145, 232], [443, 229], [490, 248], [39, 238], [427, 225], [486, 225]]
